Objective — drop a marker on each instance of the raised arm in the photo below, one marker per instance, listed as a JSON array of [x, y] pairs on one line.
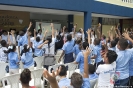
[[29, 27], [40, 25], [89, 34], [52, 26], [51, 77], [45, 33], [29, 43], [99, 30], [63, 30], [111, 34], [74, 30], [34, 34], [9, 41], [86, 66], [40, 46], [83, 35]]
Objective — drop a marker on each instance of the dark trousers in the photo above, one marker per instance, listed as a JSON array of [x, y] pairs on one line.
[[130, 83], [68, 58], [122, 82]]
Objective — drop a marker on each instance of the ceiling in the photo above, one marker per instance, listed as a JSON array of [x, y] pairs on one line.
[[53, 11], [39, 10], [108, 16]]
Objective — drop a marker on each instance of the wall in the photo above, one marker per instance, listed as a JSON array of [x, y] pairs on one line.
[[77, 5], [105, 29], [111, 9], [14, 19], [79, 20]]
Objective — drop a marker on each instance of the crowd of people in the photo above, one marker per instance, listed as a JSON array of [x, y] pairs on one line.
[[113, 55]]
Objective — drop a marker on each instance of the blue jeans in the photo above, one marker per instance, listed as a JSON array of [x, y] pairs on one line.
[[122, 82]]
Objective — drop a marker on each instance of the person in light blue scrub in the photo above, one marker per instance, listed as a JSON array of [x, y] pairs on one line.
[[113, 45], [122, 63], [13, 60], [68, 49], [92, 74], [96, 52], [24, 39], [27, 56], [80, 58], [77, 47], [63, 81]]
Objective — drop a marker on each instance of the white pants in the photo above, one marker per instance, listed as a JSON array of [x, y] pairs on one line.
[[13, 71]]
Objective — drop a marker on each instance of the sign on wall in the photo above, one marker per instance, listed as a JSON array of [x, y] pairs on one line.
[[14, 19]]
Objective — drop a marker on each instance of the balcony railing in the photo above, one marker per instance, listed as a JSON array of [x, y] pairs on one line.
[[127, 1]]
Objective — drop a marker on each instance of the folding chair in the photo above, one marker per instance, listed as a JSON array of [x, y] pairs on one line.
[[13, 81], [39, 61], [93, 83], [21, 68], [3, 71], [53, 67], [71, 68], [37, 74]]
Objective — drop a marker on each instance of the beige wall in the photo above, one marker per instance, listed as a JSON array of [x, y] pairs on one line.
[[11, 19], [79, 20], [105, 29]]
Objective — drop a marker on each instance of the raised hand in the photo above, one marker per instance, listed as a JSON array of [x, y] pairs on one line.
[[75, 26], [30, 24], [126, 35], [87, 52], [51, 77], [88, 31], [52, 25]]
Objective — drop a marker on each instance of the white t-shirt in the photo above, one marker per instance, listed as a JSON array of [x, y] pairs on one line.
[[106, 73], [52, 47], [3, 56]]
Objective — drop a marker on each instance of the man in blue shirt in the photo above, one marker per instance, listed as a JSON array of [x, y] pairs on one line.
[[24, 39], [122, 63]]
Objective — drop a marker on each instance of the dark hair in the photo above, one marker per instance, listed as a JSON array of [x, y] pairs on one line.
[[3, 43], [86, 39], [116, 40], [130, 46], [79, 42], [76, 80], [123, 43], [12, 29], [69, 37], [4, 31], [102, 46], [91, 69], [112, 56], [11, 50], [104, 37], [21, 33], [97, 41], [58, 37], [26, 48], [85, 44], [113, 43], [38, 39], [63, 71], [49, 38], [79, 30], [25, 76], [39, 30]]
